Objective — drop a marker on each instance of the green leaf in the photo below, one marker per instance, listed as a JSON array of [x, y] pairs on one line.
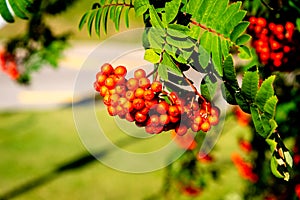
[[237, 17], [238, 30], [288, 158], [154, 18], [229, 72], [225, 47], [98, 21], [244, 52], [17, 9], [112, 12], [193, 6], [250, 85], [141, 6], [257, 121], [270, 107], [163, 72], [265, 92], [5, 13], [169, 64], [227, 15], [218, 10], [274, 165], [127, 16], [209, 11], [298, 24], [208, 88], [118, 16], [242, 39], [105, 16], [155, 37], [203, 57], [228, 93], [83, 19], [272, 143], [90, 21], [242, 102], [216, 55], [204, 10], [171, 10], [151, 56], [206, 40], [177, 30], [180, 43]]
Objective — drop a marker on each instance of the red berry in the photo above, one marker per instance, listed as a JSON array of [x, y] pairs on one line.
[[173, 97], [114, 99], [139, 117], [145, 110], [132, 84], [110, 83], [213, 120], [119, 80], [286, 49], [279, 28], [289, 26], [129, 95], [120, 89], [139, 93], [164, 119], [129, 117], [148, 95], [173, 111], [112, 111], [151, 103], [97, 86], [128, 107], [261, 22], [252, 20], [272, 26], [156, 86], [138, 104], [173, 119], [107, 69], [106, 99], [103, 91], [205, 126], [162, 107], [181, 130], [139, 73], [120, 71], [144, 83], [122, 101], [101, 78], [154, 120]]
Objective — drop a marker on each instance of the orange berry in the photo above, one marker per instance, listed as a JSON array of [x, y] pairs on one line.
[[139, 73], [120, 71], [139, 93], [132, 84], [107, 69], [156, 86], [144, 83], [110, 83]]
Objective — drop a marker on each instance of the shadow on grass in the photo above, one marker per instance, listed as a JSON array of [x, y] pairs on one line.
[[76, 163]]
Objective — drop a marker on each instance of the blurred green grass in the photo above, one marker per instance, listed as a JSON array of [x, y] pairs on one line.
[[33, 143]]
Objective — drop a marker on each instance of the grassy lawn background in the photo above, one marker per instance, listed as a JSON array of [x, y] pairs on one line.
[[34, 143]]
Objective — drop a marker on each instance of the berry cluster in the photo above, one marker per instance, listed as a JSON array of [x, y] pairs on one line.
[[148, 105], [8, 65], [274, 43]]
